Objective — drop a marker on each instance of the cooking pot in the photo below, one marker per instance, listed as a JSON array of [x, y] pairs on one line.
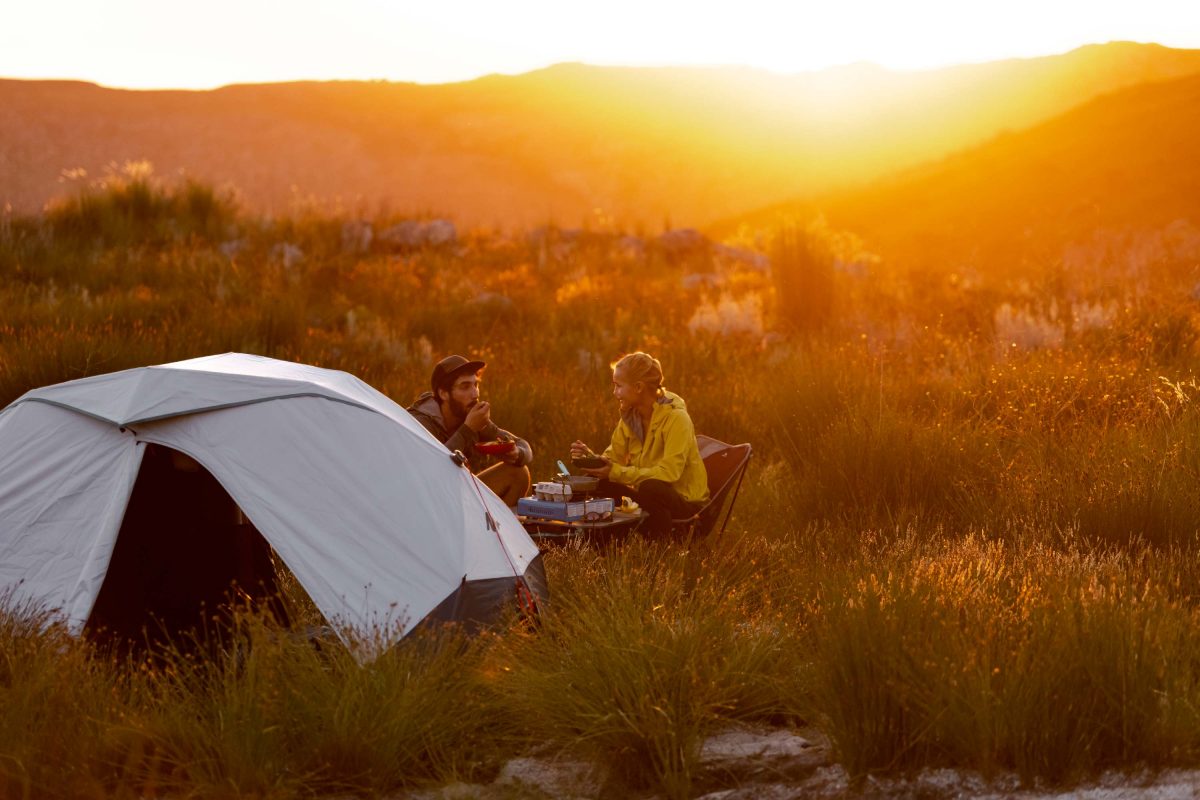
[[580, 484]]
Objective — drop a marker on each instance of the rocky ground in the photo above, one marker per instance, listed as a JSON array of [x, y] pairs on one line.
[[766, 764]]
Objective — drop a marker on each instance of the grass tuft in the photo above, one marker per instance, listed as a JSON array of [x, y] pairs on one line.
[[642, 652]]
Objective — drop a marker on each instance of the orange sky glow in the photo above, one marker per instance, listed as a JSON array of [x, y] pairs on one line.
[[144, 44]]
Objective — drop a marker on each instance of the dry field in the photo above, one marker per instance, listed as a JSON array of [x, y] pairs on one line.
[[967, 541]]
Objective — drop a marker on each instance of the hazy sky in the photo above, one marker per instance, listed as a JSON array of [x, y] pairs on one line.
[[161, 43]]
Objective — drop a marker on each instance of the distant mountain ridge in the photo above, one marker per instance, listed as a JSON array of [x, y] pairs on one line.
[[1112, 180], [638, 145]]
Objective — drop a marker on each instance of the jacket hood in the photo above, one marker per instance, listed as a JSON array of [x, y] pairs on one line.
[[428, 404], [673, 401], [666, 404]]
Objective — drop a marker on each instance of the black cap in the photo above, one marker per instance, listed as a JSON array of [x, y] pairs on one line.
[[449, 368]]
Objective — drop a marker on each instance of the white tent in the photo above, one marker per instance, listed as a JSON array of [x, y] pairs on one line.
[[372, 514]]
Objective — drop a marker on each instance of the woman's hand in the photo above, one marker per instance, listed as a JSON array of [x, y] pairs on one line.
[[581, 450]]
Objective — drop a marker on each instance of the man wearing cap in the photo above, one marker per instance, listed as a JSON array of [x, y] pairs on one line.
[[456, 416]]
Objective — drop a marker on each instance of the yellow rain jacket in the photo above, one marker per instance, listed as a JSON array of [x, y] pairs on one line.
[[668, 453]]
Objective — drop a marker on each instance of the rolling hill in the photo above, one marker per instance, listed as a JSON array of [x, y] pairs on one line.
[[642, 145], [1115, 179]]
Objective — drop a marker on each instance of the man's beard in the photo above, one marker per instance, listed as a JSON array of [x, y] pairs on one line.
[[460, 409]]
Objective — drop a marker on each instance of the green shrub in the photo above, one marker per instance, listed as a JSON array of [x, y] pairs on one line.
[[274, 714], [64, 730], [804, 280], [640, 654], [134, 208], [987, 656]]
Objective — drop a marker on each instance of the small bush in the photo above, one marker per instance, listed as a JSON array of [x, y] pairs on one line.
[[802, 269], [273, 715], [640, 655], [63, 727], [132, 207]]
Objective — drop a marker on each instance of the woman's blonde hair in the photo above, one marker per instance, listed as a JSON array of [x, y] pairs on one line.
[[641, 367]]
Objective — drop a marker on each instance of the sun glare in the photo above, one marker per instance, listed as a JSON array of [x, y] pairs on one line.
[[124, 43]]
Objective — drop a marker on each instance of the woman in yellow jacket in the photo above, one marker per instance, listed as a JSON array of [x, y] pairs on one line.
[[653, 456]]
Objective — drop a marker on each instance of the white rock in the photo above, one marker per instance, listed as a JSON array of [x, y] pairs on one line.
[[414, 233], [830, 781], [402, 234], [631, 247], [740, 255], [452, 791], [758, 791], [495, 300], [579, 779], [708, 280], [287, 253], [683, 241], [357, 236], [738, 745], [439, 232]]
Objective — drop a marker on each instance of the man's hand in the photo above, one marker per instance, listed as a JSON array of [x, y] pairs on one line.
[[511, 457], [479, 416]]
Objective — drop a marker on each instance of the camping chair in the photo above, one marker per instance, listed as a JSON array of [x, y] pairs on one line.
[[725, 465]]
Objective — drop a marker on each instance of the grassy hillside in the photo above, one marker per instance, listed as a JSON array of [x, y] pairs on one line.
[[1122, 165], [640, 145], [1109, 190], [959, 545]]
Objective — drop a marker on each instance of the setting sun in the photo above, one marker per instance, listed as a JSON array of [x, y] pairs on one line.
[[144, 45]]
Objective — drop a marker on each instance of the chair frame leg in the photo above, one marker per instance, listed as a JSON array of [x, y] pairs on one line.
[[737, 488]]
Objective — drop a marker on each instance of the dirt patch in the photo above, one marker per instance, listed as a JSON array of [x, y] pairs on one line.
[[758, 763]]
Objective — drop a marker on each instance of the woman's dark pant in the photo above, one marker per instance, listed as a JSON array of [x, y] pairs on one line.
[[657, 498]]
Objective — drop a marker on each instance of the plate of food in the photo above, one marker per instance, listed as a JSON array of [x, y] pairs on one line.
[[497, 447], [588, 462]]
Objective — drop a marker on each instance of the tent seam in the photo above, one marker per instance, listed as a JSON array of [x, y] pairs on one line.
[[189, 412]]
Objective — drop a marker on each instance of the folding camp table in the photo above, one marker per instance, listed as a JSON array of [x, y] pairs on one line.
[[601, 531]]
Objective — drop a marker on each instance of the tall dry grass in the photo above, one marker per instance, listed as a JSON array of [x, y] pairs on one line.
[[968, 536], [646, 650], [1055, 662], [63, 731]]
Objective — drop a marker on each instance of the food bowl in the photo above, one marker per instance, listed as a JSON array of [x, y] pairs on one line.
[[588, 462], [495, 448]]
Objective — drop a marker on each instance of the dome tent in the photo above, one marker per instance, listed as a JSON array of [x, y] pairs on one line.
[[376, 520]]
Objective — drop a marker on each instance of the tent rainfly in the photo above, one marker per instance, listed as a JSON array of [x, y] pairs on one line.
[[372, 515]]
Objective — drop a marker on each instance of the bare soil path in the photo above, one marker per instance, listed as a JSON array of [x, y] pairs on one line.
[[753, 763]]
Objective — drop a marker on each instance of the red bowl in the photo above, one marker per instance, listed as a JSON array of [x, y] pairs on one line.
[[495, 448]]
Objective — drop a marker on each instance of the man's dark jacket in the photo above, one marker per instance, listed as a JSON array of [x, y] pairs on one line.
[[429, 413]]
